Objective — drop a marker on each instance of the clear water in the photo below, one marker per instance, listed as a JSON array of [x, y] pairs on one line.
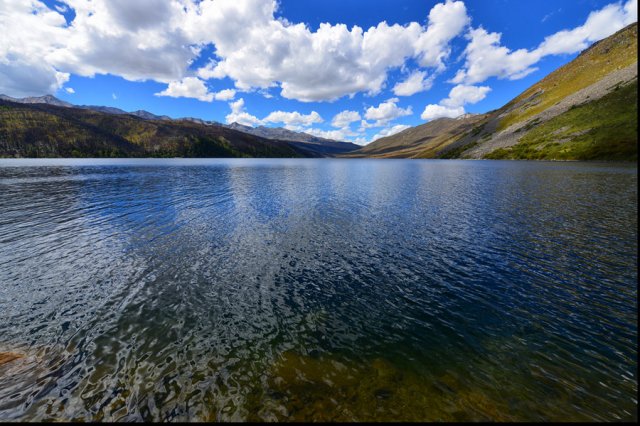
[[318, 290]]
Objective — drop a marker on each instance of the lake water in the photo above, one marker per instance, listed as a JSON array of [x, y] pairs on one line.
[[318, 290]]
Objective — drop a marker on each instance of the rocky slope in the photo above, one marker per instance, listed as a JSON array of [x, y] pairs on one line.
[[585, 110]]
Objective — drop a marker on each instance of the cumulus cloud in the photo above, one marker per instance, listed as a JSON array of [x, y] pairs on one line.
[[239, 115], [224, 95], [338, 135], [345, 118], [599, 25], [446, 21], [193, 87], [461, 95], [159, 39], [293, 119], [389, 131], [26, 77], [453, 105], [70, 90], [431, 112], [189, 87], [325, 64], [23, 68], [486, 57], [38, 49], [415, 83], [385, 112]]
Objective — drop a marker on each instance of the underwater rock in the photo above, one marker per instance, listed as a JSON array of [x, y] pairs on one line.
[[6, 357]]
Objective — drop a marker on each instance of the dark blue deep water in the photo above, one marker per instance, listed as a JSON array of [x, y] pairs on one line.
[[317, 290]]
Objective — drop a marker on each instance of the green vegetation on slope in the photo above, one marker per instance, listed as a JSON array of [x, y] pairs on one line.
[[603, 129], [613, 53], [40, 130]]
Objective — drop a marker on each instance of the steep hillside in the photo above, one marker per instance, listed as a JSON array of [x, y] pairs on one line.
[[569, 115], [424, 141], [585, 110], [43, 130]]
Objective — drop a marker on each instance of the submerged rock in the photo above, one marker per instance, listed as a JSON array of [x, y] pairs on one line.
[[6, 357]]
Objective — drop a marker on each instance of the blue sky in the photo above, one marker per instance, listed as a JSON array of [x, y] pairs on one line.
[[251, 61]]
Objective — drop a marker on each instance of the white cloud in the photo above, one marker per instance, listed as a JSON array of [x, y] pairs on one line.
[[338, 135], [258, 51], [386, 111], [114, 96], [159, 39], [599, 25], [239, 115], [461, 95], [453, 105], [389, 131], [293, 119], [364, 124], [345, 118], [27, 28], [70, 90], [431, 112], [446, 20], [188, 87], [224, 95], [486, 57], [415, 83]]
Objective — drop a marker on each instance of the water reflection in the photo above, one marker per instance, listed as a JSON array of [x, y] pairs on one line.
[[318, 290]]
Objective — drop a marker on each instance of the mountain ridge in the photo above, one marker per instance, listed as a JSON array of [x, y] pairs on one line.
[[584, 110], [41, 130], [302, 143]]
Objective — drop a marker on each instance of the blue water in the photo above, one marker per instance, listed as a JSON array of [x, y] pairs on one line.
[[180, 289]]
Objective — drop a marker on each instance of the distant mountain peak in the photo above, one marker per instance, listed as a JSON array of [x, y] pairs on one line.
[[46, 99]]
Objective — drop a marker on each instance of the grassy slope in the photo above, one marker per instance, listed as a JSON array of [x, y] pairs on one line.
[[424, 141], [49, 131], [615, 52], [603, 129]]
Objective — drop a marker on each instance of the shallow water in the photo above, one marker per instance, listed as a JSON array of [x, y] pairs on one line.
[[317, 290]]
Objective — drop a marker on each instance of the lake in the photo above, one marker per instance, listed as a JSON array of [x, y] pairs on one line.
[[318, 289]]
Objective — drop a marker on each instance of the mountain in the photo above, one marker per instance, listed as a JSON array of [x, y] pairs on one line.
[[313, 144], [585, 110], [424, 141], [46, 99], [105, 109], [52, 100], [149, 116], [47, 130], [304, 144]]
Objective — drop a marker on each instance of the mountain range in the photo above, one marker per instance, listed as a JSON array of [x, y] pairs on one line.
[[585, 110], [48, 127]]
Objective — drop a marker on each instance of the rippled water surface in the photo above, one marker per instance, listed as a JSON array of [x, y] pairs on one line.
[[317, 290]]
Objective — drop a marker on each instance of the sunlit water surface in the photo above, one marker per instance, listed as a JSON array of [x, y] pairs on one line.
[[317, 290]]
